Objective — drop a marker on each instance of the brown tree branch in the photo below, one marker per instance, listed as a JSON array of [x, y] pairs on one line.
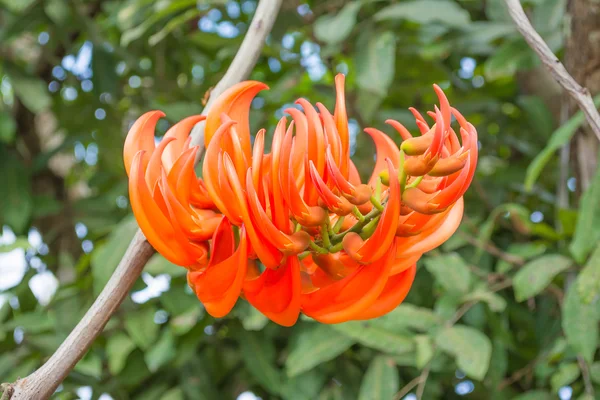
[[42, 383], [243, 62], [580, 94]]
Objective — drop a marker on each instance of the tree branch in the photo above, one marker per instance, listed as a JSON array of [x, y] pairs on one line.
[[580, 94], [42, 383], [243, 62]]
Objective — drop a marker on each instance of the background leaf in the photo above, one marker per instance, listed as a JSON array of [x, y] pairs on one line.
[[536, 275], [381, 380], [471, 348]]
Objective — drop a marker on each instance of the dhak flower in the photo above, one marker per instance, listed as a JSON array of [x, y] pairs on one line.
[[295, 230]]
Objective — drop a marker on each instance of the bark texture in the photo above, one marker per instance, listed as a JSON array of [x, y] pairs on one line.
[[582, 59]]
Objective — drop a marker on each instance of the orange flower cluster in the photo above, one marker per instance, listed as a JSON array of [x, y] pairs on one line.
[[294, 230]]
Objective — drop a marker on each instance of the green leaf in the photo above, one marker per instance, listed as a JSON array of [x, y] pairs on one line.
[[534, 395], [118, 348], [159, 265], [424, 350], [90, 365], [334, 29], [524, 250], [16, 203], [375, 65], [32, 91], [471, 348], [305, 386], [589, 278], [371, 335], [408, 316], [536, 275], [8, 127], [426, 12], [159, 12], [317, 344], [16, 6], [580, 322], [141, 327], [496, 10], [506, 60], [252, 319], [548, 16], [450, 271], [161, 352], [173, 24], [107, 256], [559, 138], [258, 353], [566, 374], [31, 322], [493, 300], [587, 231], [595, 372], [173, 394], [20, 243], [105, 77], [381, 380], [539, 116]]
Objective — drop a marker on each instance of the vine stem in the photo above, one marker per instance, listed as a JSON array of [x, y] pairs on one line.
[[42, 383]]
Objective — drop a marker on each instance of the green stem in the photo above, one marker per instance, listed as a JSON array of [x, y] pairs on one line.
[[315, 247], [356, 228], [376, 203], [356, 212], [369, 228], [338, 224], [325, 235]]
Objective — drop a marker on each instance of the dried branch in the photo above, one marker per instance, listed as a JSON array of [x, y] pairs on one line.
[[580, 94], [42, 383], [243, 62]]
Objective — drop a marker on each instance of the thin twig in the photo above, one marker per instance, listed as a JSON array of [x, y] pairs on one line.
[[585, 372], [42, 383], [492, 249], [407, 388], [580, 94], [423, 381], [520, 373], [243, 62]]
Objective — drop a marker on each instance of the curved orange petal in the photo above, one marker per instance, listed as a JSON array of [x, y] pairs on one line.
[[386, 148], [341, 122], [338, 205], [219, 286], [289, 244], [210, 167], [331, 134], [277, 293], [264, 249], [153, 171], [378, 244], [278, 209], [356, 195], [140, 137], [305, 215], [235, 102], [394, 293], [153, 223], [346, 298], [435, 236], [180, 132]]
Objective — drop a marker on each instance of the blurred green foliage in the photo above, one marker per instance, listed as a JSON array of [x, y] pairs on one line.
[[507, 309]]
